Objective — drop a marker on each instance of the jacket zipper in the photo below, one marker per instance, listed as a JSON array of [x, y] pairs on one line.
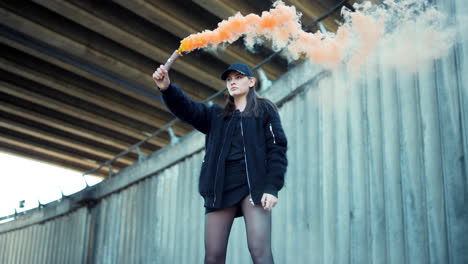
[[245, 158], [217, 164], [273, 134]]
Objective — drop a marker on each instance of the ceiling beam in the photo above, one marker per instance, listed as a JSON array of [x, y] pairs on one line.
[[48, 79], [91, 55], [225, 9], [313, 9], [50, 151], [94, 19], [78, 113], [51, 160], [83, 72], [77, 49], [59, 140], [70, 128]]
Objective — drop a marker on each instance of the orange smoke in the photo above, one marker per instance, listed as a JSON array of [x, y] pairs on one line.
[[279, 23], [363, 31]]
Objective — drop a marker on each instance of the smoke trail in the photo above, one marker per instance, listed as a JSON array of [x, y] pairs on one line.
[[280, 24], [415, 33], [410, 32]]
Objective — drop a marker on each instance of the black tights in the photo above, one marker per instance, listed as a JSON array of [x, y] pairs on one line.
[[258, 225]]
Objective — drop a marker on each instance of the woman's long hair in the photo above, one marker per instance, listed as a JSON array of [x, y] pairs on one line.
[[253, 105]]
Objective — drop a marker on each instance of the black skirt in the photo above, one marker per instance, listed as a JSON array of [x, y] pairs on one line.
[[235, 188]]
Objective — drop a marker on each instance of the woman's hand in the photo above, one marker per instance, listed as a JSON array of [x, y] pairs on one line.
[[161, 77], [269, 201]]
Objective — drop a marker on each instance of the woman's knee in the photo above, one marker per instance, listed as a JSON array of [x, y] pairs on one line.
[[215, 258], [259, 250], [215, 254]]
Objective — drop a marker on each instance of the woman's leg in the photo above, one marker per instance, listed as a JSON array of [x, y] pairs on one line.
[[258, 226], [217, 228]]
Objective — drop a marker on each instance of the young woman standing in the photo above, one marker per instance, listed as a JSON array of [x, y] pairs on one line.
[[245, 160]]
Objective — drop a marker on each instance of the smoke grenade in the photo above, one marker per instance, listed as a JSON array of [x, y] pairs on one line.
[[172, 59]]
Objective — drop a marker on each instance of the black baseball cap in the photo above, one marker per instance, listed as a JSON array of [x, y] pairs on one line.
[[239, 67]]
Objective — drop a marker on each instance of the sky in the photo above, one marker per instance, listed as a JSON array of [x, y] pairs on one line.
[[30, 180]]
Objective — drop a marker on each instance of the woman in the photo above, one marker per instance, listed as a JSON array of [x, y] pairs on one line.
[[244, 164]]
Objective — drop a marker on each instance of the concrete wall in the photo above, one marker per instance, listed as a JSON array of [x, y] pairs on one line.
[[377, 174]]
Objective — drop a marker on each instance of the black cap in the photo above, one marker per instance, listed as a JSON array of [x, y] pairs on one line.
[[239, 67]]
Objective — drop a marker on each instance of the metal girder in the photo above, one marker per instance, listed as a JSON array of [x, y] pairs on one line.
[[64, 141], [224, 8], [75, 48], [50, 159], [92, 53], [68, 128], [88, 71], [76, 112], [313, 9], [48, 150], [94, 19], [47, 79]]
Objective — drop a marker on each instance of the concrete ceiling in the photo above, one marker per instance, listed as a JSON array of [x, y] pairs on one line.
[[75, 76]]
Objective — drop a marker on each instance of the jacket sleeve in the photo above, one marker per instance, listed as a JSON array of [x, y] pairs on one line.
[[277, 145], [194, 113]]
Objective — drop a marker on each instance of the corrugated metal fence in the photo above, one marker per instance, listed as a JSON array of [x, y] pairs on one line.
[[377, 174]]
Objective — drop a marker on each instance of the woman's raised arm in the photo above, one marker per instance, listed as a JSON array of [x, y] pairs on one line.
[[194, 113]]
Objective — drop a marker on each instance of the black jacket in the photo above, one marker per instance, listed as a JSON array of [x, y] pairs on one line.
[[264, 140]]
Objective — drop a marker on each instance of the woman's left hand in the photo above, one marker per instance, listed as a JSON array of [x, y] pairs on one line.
[[269, 201]]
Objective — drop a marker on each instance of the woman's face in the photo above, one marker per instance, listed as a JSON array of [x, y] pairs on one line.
[[239, 84]]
